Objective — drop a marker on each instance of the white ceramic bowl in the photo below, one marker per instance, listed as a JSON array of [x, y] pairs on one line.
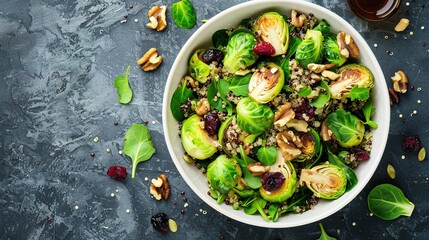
[[202, 38]]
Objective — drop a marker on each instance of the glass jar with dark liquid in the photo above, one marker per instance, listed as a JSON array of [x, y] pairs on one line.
[[374, 10]]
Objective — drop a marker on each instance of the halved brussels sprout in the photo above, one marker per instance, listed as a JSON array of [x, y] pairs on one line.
[[272, 28], [326, 181], [223, 174], [195, 140], [198, 69], [332, 51], [281, 171], [266, 83], [347, 128], [252, 117], [350, 76], [311, 146], [226, 137], [239, 52], [311, 49]]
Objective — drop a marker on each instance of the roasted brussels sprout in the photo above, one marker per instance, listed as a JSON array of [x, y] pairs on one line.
[[266, 83], [272, 28], [195, 140], [351, 75], [280, 183], [332, 51], [348, 129], [223, 174], [311, 146], [252, 117], [310, 50], [325, 181], [198, 69], [239, 51]]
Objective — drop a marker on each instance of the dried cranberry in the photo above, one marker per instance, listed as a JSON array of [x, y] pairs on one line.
[[411, 143], [272, 181], [302, 109], [361, 155], [211, 123], [212, 55], [117, 172], [160, 222], [264, 48]]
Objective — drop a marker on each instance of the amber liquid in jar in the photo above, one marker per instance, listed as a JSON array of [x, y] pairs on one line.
[[374, 10]]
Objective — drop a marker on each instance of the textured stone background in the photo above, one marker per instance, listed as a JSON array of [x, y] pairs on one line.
[[58, 61]]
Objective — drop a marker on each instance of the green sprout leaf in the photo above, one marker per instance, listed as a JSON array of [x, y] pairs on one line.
[[138, 145], [183, 14], [323, 234], [389, 202], [305, 91], [360, 93], [124, 90]]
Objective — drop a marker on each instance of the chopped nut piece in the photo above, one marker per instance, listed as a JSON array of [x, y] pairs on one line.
[[257, 169], [203, 107], [325, 132], [297, 124], [330, 75], [160, 188], [393, 96], [297, 21], [284, 114], [150, 60], [347, 46], [400, 82], [402, 25], [157, 18], [287, 147], [191, 81], [318, 68]]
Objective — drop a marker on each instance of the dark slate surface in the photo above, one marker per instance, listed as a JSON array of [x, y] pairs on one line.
[[58, 61]]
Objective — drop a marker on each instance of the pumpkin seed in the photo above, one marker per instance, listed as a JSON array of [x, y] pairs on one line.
[[172, 225], [391, 171], [422, 154]]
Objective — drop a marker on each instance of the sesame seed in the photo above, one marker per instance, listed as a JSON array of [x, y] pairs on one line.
[[204, 212], [419, 101], [117, 190], [112, 195], [76, 207], [153, 122], [108, 150], [422, 27], [123, 21], [354, 223], [146, 179], [375, 45], [371, 214], [185, 205], [419, 89], [95, 139], [386, 37], [415, 112], [401, 116], [408, 4], [403, 157], [136, 20], [127, 211], [411, 33], [120, 152]]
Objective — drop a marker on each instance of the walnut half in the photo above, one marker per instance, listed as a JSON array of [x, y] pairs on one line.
[[160, 188], [150, 60], [289, 144], [157, 18], [400, 82], [283, 114], [348, 47]]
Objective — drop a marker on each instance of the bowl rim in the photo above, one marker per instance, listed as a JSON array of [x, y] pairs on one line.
[[383, 94]]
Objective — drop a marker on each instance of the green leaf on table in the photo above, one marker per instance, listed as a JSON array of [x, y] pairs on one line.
[[183, 14], [123, 87], [360, 93], [138, 145], [324, 235], [388, 202]]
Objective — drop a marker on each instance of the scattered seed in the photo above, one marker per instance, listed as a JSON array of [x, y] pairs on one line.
[[120, 152], [112, 195], [117, 190], [146, 179], [136, 20], [391, 171], [354, 224], [204, 212], [419, 89], [185, 205], [127, 211], [422, 154], [92, 154], [49, 218], [422, 27], [108, 150], [76, 207], [408, 4], [386, 37], [375, 45], [153, 122], [415, 112], [182, 211], [419, 101], [172, 225], [411, 33], [123, 21], [116, 123], [182, 193], [371, 214], [229, 221], [401, 116], [403, 157], [95, 139]]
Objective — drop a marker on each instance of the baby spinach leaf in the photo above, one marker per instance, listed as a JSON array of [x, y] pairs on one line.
[[258, 205], [180, 96], [273, 211], [298, 201], [267, 155], [220, 38], [305, 91], [240, 85], [217, 101], [124, 90], [183, 14], [323, 98], [324, 235], [293, 46], [359, 93], [252, 181], [368, 109], [389, 202], [138, 145]]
